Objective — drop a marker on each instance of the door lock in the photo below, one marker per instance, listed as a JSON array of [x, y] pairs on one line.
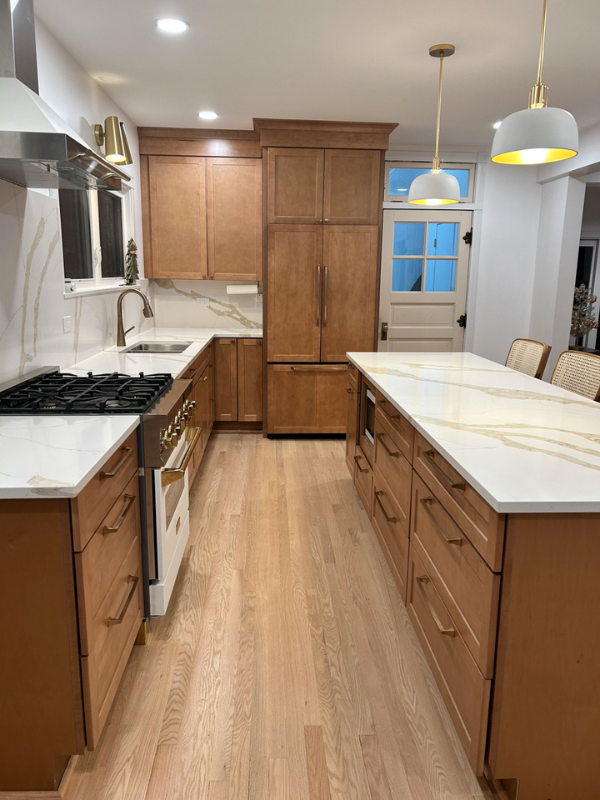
[[384, 331]]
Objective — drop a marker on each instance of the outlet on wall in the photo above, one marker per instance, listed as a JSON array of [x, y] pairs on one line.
[[203, 301], [67, 324], [259, 301]]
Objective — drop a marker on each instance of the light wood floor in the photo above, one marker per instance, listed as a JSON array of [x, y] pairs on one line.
[[287, 667]]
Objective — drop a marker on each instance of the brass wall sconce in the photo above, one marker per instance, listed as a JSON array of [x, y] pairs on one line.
[[114, 139]]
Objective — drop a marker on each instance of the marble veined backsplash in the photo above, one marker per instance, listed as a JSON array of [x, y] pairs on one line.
[[32, 305], [204, 304]]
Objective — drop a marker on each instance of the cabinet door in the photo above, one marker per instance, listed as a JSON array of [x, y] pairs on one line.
[[349, 290], [352, 424], [234, 214], [294, 299], [226, 380], [250, 380], [295, 185], [177, 217], [307, 399], [352, 187], [332, 407]]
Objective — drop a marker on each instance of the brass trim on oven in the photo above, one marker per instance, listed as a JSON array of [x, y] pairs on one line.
[[171, 474]]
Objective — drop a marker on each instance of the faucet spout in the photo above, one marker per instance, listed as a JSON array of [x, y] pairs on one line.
[[120, 327]]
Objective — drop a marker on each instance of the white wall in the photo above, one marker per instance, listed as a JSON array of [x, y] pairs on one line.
[[590, 225]]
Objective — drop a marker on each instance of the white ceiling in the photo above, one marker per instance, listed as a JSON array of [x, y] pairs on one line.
[[363, 60]]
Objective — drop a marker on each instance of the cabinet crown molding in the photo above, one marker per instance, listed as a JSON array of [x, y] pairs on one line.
[[324, 133]]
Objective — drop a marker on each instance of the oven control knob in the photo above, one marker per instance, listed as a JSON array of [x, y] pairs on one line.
[[192, 404]]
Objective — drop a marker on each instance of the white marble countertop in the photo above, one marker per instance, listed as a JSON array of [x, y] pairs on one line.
[[56, 456], [526, 446], [115, 360]]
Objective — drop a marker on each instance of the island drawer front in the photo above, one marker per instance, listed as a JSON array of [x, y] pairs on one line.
[[483, 526], [197, 367], [363, 480], [102, 563], [354, 376], [103, 669], [395, 470], [465, 691], [392, 534], [393, 420], [96, 499], [468, 588]]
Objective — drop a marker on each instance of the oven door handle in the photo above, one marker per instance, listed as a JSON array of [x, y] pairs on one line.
[[171, 474]]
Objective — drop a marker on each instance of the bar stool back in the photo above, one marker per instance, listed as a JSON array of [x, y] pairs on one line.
[[528, 356], [578, 372]]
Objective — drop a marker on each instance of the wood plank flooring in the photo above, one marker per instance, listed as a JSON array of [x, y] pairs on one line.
[[287, 667]]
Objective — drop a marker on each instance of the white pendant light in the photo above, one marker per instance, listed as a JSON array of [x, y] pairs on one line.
[[537, 134], [436, 188]]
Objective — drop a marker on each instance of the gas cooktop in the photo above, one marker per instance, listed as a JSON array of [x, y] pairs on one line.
[[64, 393]]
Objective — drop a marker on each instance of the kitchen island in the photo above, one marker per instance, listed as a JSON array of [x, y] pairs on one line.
[[482, 486]]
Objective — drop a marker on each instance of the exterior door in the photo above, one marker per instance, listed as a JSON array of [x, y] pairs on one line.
[[349, 290], [295, 185], [294, 293], [424, 274]]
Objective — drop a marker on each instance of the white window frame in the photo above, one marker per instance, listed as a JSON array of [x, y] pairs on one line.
[[387, 198]]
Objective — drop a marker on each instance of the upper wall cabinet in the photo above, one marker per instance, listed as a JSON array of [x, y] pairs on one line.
[[324, 186], [202, 217]]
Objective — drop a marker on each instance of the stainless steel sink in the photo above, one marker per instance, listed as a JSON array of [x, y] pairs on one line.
[[157, 347]]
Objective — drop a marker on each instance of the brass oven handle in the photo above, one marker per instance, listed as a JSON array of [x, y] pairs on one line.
[[320, 368], [429, 455], [427, 501], [118, 620], [171, 474], [127, 451], [326, 292], [386, 448], [391, 416], [318, 296], [359, 466], [444, 631], [129, 501], [385, 514]]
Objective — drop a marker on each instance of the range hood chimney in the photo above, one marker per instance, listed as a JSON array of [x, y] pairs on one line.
[[37, 148]]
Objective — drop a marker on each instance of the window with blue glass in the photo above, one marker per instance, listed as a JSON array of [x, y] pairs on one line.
[[401, 175]]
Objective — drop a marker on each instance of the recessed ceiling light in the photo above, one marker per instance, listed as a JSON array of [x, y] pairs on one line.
[[172, 25], [497, 125], [207, 115]]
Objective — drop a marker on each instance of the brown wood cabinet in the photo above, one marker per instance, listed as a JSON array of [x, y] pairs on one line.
[[353, 392], [307, 398], [250, 380], [226, 389], [295, 179], [351, 189]]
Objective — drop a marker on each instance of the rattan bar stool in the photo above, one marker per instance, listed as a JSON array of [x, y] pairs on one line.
[[578, 372], [528, 356]]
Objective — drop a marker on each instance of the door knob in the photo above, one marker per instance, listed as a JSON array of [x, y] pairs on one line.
[[384, 331]]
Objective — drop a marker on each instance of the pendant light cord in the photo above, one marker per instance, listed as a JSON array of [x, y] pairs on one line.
[[436, 159], [538, 96], [542, 43]]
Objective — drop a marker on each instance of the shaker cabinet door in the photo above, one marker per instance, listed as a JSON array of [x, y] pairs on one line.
[[352, 180], [295, 185], [226, 391]]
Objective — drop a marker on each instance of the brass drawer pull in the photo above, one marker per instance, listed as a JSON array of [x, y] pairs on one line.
[[391, 416], [321, 368], [171, 474], [350, 390], [191, 374], [129, 501], [118, 620], [360, 469], [378, 496], [427, 501], [444, 631], [429, 454], [386, 448], [127, 451]]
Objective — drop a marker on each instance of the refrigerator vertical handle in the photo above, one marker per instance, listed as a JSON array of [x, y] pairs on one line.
[[326, 293], [318, 296]]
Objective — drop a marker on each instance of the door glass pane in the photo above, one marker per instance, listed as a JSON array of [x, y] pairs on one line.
[[442, 238], [406, 275], [401, 179], [409, 238], [440, 275]]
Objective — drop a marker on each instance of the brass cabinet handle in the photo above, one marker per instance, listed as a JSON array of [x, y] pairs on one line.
[[325, 220], [118, 620], [320, 368], [429, 455], [360, 469], [129, 501], [192, 373], [326, 293], [205, 378], [444, 631], [171, 474], [378, 496], [127, 451], [391, 453], [391, 416], [350, 390], [427, 501], [318, 296]]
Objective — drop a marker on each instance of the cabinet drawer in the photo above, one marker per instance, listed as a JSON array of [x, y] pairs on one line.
[[483, 526], [102, 561], [391, 526], [397, 426], [395, 470], [197, 366], [307, 398], [363, 480], [354, 376], [464, 689], [93, 503], [468, 588], [103, 668]]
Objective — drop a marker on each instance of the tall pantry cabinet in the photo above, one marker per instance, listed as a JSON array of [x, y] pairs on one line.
[[324, 214]]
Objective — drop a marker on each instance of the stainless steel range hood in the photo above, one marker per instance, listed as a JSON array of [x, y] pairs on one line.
[[37, 148]]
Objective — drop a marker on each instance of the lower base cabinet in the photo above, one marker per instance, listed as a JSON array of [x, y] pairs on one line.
[[238, 380], [303, 398]]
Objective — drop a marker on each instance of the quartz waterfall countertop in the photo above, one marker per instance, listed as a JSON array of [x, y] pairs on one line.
[[55, 456], [526, 446], [115, 360]]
